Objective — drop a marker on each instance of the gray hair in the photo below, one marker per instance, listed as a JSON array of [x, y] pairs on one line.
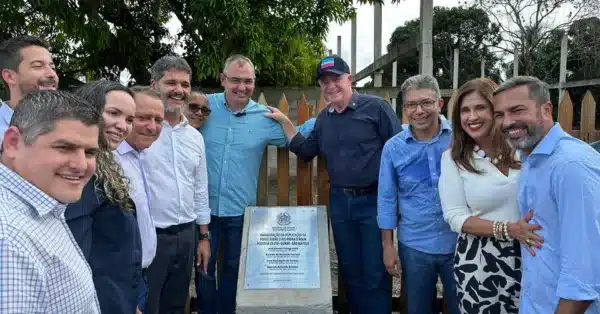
[[421, 81], [166, 63], [539, 91], [145, 90], [37, 113], [238, 59]]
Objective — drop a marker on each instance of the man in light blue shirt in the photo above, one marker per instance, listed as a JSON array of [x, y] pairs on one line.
[[408, 199], [26, 66], [560, 182], [235, 135]]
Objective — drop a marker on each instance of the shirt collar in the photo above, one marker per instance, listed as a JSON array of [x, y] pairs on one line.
[[444, 127], [352, 105], [34, 197], [125, 148], [6, 112], [251, 103], [183, 123], [548, 143]]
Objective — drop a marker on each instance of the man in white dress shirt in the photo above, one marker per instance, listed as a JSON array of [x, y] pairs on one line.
[[48, 155], [147, 124], [177, 185], [26, 66]]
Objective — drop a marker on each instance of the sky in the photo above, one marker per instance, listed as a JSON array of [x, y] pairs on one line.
[[393, 15]]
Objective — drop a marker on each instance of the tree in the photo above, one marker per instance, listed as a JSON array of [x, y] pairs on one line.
[[466, 28], [93, 39], [527, 24]]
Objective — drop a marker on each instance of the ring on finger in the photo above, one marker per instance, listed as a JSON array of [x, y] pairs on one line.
[[527, 241]]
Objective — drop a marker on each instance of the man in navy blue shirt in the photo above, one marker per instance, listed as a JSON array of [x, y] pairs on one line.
[[350, 134]]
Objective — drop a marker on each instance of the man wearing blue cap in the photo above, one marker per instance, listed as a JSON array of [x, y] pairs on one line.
[[350, 134]]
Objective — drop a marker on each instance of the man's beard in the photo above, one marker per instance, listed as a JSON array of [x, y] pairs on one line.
[[174, 111], [533, 135], [27, 89]]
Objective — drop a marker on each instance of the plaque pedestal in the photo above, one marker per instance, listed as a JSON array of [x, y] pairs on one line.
[[284, 262]]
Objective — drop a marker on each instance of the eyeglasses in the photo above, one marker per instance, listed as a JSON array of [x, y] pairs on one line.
[[425, 104], [195, 107], [240, 80]]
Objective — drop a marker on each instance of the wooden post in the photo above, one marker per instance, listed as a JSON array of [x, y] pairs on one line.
[[304, 169], [262, 190], [283, 164]]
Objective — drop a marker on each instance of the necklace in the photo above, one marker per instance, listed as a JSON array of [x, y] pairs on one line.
[[483, 155]]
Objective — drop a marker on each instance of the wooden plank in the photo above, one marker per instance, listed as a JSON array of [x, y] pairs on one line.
[[304, 169], [322, 177], [565, 113], [283, 164], [262, 191], [588, 118]]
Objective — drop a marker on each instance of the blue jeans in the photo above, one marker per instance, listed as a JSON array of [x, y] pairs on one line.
[[228, 232], [420, 272], [360, 253]]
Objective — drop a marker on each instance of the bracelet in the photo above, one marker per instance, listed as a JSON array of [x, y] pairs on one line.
[[495, 229], [506, 236]]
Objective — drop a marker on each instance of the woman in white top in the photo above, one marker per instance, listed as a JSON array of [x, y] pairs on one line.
[[478, 190]]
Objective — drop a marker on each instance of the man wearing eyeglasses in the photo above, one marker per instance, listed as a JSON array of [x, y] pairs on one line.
[[196, 110], [235, 136], [408, 199]]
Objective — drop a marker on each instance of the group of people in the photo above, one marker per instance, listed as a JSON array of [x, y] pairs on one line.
[[111, 196]]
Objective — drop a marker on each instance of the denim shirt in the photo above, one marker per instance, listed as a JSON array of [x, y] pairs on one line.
[[408, 195]]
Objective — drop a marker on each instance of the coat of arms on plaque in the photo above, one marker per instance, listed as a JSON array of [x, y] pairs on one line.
[[284, 219]]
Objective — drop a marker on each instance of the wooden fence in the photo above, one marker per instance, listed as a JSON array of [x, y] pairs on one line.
[[304, 171]]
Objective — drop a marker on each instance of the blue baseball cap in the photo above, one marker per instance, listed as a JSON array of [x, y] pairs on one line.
[[332, 64]]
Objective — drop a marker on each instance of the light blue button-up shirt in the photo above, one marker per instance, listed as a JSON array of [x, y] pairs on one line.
[[130, 160], [408, 195], [235, 144], [6, 113], [560, 181]]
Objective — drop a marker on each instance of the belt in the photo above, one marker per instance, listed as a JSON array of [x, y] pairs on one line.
[[175, 229], [360, 191]]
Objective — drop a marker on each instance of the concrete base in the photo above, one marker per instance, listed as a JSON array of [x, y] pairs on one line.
[[291, 301]]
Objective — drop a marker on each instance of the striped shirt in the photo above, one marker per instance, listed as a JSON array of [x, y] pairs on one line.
[[42, 269]]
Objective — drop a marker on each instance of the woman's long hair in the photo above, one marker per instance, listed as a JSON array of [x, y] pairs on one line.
[[109, 174], [462, 144]]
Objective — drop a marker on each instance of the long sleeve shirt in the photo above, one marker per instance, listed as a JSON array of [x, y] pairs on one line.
[[351, 141], [560, 182], [175, 168]]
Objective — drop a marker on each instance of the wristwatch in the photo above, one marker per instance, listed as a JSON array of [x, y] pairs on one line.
[[204, 236]]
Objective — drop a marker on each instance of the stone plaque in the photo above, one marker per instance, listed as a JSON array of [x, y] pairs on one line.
[[282, 248]]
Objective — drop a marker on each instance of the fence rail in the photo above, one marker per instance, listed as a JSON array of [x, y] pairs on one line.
[[304, 170]]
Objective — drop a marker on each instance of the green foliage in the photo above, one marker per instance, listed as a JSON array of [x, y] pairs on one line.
[[467, 28], [93, 39]]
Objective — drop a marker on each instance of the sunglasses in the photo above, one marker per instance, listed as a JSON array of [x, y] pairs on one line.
[[195, 107]]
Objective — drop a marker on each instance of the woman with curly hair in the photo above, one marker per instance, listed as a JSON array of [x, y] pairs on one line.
[[478, 191], [103, 221]]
